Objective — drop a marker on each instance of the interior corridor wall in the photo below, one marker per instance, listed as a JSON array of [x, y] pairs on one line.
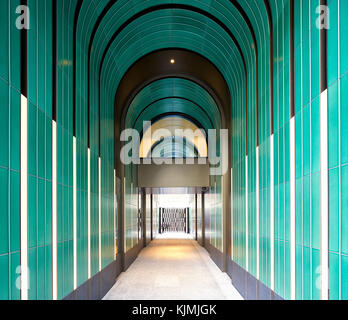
[[95, 138], [40, 151], [65, 20], [40, 161], [276, 264], [10, 106]]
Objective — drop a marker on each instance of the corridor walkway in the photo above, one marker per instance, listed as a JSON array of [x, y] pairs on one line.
[[173, 269]]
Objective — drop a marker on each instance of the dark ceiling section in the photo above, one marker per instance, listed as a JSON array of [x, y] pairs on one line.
[[188, 65]]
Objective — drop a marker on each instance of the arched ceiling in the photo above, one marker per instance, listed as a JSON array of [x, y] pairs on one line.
[[171, 148], [174, 96], [111, 36], [172, 128]]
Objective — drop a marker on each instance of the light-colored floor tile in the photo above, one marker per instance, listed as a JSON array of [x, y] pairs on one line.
[[173, 269]]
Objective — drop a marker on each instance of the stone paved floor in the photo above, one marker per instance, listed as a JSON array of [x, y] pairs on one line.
[[173, 269]]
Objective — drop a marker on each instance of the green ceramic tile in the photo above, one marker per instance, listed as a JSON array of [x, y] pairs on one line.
[[4, 40], [306, 140], [4, 122], [315, 136], [344, 208], [14, 211], [41, 143], [344, 119], [48, 149], [315, 60], [4, 279], [307, 274], [41, 214], [334, 210], [4, 209], [298, 144], [333, 126], [14, 47], [334, 281], [33, 272], [15, 276], [315, 213], [343, 42], [32, 212], [32, 139], [305, 72], [306, 211], [316, 274], [344, 275], [15, 108], [41, 269], [48, 273], [333, 43]]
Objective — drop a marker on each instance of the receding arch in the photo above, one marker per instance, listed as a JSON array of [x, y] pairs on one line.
[[172, 123]]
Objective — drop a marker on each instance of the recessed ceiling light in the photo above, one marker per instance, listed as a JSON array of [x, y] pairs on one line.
[[172, 61]]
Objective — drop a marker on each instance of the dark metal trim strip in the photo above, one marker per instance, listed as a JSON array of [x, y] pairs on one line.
[[24, 57], [323, 55], [271, 49], [76, 18], [54, 60], [292, 59]]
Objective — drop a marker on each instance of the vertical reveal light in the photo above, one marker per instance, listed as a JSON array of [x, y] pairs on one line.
[[324, 195], [246, 216], [324, 155], [99, 213], [24, 198], [74, 217], [115, 216], [257, 214], [54, 151], [272, 211], [54, 211], [89, 212], [24, 272], [292, 209], [292, 158]]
